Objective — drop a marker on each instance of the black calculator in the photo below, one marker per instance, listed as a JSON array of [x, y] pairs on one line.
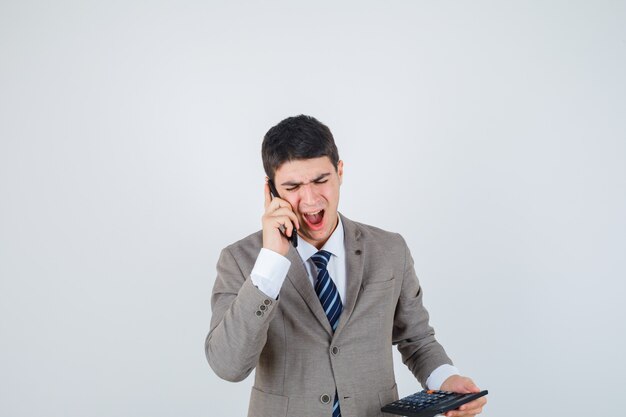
[[429, 403]]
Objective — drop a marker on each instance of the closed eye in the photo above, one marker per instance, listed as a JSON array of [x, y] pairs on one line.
[[293, 186], [314, 182]]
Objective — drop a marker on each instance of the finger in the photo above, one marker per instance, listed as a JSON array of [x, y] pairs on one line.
[[477, 403], [470, 386], [470, 409], [281, 208], [285, 223], [286, 211], [464, 385], [289, 229], [464, 413], [277, 203]]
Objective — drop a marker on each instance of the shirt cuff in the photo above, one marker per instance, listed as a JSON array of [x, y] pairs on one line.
[[269, 272], [439, 375]]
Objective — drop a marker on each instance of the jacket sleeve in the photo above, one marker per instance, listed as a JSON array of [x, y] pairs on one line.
[[241, 315], [413, 335]]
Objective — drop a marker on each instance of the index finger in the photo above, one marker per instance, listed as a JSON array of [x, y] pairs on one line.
[[471, 408]]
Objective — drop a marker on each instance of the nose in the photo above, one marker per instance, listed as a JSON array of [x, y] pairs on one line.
[[308, 196]]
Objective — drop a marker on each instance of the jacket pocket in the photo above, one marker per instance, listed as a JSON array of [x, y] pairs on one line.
[[378, 285], [263, 404]]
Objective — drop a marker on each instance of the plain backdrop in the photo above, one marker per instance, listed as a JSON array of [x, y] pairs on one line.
[[491, 134]]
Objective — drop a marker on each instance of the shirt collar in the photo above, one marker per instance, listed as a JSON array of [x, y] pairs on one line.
[[334, 244]]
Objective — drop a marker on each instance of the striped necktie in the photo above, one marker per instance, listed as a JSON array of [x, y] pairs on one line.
[[331, 301]]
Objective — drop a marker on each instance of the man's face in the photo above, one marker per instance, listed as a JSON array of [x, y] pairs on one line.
[[311, 186]]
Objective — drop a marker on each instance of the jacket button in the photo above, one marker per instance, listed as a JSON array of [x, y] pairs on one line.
[[267, 302], [325, 398], [335, 350], [262, 307], [259, 313]]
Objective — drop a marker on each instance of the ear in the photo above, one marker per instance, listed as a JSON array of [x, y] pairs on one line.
[[340, 171]]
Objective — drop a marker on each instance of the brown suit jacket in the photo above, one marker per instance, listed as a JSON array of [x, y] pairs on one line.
[[289, 341]]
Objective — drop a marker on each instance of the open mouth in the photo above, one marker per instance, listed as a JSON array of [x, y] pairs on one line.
[[314, 219]]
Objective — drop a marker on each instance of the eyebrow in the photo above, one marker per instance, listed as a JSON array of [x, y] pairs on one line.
[[293, 183]]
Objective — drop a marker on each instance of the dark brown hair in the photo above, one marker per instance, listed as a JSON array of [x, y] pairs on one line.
[[298, 137]]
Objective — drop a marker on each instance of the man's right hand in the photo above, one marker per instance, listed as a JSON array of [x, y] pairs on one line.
[[278, 216]]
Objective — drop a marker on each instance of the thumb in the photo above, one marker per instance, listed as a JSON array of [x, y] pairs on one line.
[[470, 386]]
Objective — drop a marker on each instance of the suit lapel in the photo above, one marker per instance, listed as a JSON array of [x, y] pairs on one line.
[[299, 278], [354, 269]]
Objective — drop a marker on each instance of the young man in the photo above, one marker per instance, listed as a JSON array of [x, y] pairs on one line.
[[318, 321]]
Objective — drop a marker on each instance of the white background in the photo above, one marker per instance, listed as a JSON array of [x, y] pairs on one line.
[[491, 134]]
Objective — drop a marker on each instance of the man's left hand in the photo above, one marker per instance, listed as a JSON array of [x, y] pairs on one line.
[[464, 385]]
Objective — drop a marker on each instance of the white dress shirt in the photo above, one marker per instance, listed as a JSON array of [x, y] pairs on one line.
[[270, 271]]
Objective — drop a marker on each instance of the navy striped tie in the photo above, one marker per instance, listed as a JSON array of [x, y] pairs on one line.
[[331, 301]]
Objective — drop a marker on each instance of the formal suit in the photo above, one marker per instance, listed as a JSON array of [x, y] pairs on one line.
[[298, 358]]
